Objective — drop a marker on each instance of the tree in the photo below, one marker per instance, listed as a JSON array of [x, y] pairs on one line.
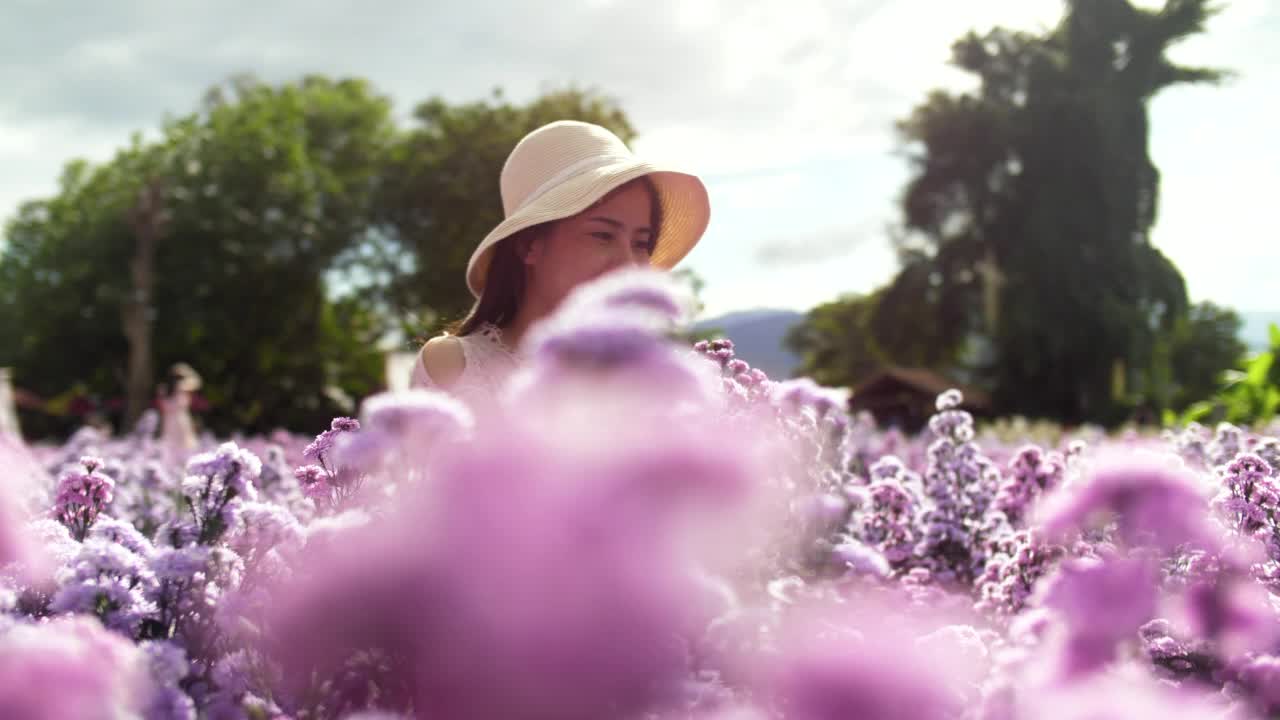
[[1028, 217], [1202, 346], [262, 189], [836, 344], [146, 219], [439, 197]]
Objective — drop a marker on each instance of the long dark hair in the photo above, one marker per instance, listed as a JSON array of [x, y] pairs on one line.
[[505, 279]]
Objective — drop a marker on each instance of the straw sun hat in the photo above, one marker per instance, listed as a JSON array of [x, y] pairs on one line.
[[563, 168], [185, 377]]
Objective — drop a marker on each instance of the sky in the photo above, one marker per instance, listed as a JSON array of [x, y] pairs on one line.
[[785, 109]]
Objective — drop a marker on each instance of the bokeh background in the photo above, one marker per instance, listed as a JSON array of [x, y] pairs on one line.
[[1063, 207]]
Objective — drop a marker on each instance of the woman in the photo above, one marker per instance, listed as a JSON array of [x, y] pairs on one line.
[[578, 204], [177, 431]]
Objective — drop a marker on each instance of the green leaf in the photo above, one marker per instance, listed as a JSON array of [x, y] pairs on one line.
[[1197, 411], [1270, 403], [1258, 369], [1231, 378], [1274, 332]]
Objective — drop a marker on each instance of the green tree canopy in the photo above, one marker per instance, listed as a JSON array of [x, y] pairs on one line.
[[261, 190], [835, 342]]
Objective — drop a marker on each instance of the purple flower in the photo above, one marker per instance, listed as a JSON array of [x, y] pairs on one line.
[[107, 580], [218, 484], [319, 447], [1017, 563], [832, 668], [1126, 694], [69, 667], [122, 533], [168, 666], [720, 352], [1261, 676], [862, 560], [308, 475], [82, 496], [1249, 496], [402, 428], [1269, 450], [170, 703], [1152, 501], [1033, 473], [1104, 603], [641, 293], [959, 484], [416, 416], [599, 347], [1234, 612], [887, 519], [262, 527], [949, 400], [179, 564], [1191, 444], [344, 424], [551, 575], [229, 463], [793, 395], [1228, 441], [20, 473]]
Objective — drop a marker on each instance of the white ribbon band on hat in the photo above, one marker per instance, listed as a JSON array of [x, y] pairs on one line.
[[589, 163]]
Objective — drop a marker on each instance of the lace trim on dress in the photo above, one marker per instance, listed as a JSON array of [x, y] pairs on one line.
[[487, 364], [493, 335]]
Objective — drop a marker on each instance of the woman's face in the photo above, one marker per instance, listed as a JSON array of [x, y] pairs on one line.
[[615, 233]]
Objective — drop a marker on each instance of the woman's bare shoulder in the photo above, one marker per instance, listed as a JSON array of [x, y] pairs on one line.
[[443, 360]]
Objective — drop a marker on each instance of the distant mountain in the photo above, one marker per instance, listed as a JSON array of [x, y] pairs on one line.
[[758, 336], [1254, 331]]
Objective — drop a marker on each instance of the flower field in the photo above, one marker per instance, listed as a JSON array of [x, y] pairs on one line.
[[639, 529]]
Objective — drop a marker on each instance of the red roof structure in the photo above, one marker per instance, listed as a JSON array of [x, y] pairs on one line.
[[906, 397]]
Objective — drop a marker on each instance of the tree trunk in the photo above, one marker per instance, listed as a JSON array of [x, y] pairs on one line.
[[147, 220]]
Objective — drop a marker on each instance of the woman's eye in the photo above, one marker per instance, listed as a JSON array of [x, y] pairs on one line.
[[604, 236], [644, 246]]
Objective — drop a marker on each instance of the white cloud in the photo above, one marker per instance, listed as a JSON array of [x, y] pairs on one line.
[[811, 247]]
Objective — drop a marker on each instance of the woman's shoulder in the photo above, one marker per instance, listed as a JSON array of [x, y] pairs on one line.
[[442, 359]]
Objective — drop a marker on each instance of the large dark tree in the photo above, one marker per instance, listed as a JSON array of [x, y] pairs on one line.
[[1029, 214]]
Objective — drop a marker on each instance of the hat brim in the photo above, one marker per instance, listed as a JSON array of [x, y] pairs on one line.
[[686, 211]]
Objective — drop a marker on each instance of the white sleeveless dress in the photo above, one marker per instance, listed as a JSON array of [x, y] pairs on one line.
[[488, 362]]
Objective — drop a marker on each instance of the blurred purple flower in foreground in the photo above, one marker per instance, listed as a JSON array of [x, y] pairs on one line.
[[69, 668], [854, 664], [1152, 501], [1127, 693], [399, 433], [520, 582], [19, 474], [1103, 603]]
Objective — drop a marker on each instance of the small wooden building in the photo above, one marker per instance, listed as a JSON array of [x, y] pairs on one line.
[[906, 397]]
